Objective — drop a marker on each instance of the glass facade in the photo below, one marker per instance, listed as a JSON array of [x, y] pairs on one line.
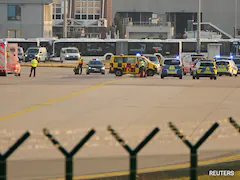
[[87, 9]]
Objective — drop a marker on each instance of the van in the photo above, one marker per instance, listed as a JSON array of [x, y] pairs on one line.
[[40, 52], [21, 56], [69, 54], [126, 64]]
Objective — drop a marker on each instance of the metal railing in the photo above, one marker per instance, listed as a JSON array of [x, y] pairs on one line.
[[132, 152], [149, 24]]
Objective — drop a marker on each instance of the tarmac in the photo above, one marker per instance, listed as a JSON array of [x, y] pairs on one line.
[[70, 105]]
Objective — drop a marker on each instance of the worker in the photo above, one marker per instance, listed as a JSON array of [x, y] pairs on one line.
[[80, 64], [142, 68], [34, 64]]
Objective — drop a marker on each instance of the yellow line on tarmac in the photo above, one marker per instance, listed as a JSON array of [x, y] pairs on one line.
[[56, 100], [155, 169]]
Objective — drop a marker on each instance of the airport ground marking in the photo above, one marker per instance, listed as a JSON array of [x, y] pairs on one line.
[[155, 169], [58, 99]]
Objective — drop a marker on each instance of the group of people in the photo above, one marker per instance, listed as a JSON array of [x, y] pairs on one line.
[[34, 64]]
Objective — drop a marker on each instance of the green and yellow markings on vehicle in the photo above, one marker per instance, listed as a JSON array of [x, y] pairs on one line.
[[172, 70], [222, 69]]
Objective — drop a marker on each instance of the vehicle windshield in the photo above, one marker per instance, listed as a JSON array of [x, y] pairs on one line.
[[95, 63], [71, 51], [237, 61], [207, 64], [222, 63], [19, 51], [153, 59], [32, 51], [172, 62]]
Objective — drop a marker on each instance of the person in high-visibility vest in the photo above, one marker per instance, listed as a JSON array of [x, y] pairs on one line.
[[80, 63], [142, 68], [34, 64]]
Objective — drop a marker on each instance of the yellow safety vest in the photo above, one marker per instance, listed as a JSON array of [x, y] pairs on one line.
[[142, 64], [34, 63], [80, 60]]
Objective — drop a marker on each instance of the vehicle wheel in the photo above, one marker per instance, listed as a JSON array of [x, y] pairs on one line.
[[236, 75], [87, 73], [103, 73], [150, 72], [19, 74], [193, 77], [211, 77], [180, 77], [162, 77], [219, 74], [184, 74], [215, 77], [118, 73], [197, 77]]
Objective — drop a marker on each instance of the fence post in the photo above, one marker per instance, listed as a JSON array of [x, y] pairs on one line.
[[133, 153], [3, 157], [68, 155], [234, 123], [193, 148]]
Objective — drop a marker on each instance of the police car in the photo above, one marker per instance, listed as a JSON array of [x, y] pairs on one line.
[[236, 60], [204, 68], [95, 66], [226, 67], [172, 67]]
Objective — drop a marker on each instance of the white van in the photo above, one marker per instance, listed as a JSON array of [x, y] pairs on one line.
[[69, 54], [40, 52]]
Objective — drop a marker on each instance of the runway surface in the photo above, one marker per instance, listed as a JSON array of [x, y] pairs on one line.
[[69, 106]]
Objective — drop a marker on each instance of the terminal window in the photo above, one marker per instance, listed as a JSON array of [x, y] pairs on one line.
[[14, 12]]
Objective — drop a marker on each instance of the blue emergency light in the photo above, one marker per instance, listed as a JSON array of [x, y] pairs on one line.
[[231, 57], [138, 54], [178, 57], [217, 56]]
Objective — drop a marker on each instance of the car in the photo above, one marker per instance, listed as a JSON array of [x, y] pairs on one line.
[[69, 54], [204, 68], [95, 66], [171, 67], [226, 67], [236, 60]]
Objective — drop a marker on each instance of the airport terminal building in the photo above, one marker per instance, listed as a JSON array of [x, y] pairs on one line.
[[217, 15]]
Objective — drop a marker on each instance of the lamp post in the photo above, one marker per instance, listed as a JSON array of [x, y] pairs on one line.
[[199, 28], [65, 20], [236, 19]]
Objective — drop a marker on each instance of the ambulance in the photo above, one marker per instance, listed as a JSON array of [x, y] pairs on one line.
[[9, 63]]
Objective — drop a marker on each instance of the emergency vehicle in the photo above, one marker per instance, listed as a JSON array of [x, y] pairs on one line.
[[204, 68], [226, 67], [172, 67], [189, 62], [9, 63], [129, 64]]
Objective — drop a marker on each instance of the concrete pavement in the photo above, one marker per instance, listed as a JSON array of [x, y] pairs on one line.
[[70, 105]]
